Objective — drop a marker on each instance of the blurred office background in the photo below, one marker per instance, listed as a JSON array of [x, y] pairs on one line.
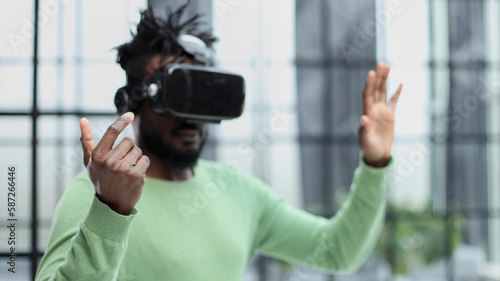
[[305, 63]]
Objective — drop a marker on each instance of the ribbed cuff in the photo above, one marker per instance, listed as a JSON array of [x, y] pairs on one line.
[[107, 223], [371, 181], [373, 170]]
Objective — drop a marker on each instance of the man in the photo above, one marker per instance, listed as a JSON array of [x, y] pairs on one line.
[[153, 211]]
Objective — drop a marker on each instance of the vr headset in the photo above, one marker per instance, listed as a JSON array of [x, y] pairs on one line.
[[196, 93]]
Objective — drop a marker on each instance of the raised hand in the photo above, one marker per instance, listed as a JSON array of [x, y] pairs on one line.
[[376, 131], [118, 173]]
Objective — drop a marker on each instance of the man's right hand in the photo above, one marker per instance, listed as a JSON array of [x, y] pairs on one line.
[[118, 173]]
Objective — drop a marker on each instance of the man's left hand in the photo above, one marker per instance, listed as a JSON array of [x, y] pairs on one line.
[[376, 131]]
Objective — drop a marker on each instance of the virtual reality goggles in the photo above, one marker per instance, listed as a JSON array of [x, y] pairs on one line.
[[197, 93]]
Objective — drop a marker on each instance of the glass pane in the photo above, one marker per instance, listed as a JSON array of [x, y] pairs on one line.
[[468, 188], [494, 234], [281, 85], [47, 87], [246, 17], [494, 176], [57, 167], [410, 176], [16, 87], [100, 83], [406, 24], [52, 174], [97, 42], [23, 269], [492, 36], [51, 13], [285, 170], [413, 109], [279, 33], [16, 27], [71, 36], [52, 128], [438, 170], [15, 130], [440, 32], [58, 87], [282, 122]]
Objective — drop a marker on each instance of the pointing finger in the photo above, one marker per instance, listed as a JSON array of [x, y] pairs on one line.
[[109, 138], [87, 140]]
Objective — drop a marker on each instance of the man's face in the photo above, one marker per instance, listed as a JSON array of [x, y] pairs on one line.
[[172, 139]]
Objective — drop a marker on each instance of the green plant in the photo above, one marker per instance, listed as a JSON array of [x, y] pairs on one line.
[[417, 238]]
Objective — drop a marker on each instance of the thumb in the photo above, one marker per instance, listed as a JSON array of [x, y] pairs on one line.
[[365, 121], [87, 140], [363, 127]]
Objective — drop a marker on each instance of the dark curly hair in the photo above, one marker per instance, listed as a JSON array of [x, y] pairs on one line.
[[159, 36]]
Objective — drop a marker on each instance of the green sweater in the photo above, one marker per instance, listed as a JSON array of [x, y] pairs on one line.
[[207, 228]]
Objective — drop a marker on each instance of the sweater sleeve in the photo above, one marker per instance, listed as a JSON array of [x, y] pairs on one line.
[[339, 244], [88, 240]]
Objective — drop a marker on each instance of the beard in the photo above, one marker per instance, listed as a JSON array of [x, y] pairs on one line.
[[178, 159]]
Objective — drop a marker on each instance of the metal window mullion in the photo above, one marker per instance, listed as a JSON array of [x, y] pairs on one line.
[[34, 115], [492, 42], [60, 100]]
